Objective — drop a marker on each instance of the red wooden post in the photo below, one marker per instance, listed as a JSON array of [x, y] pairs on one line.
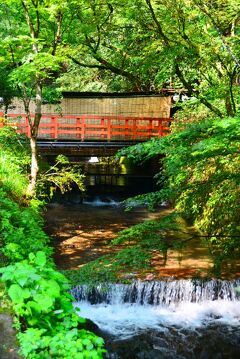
[[54, 121], [150, 130], [78, 127], [134, 129], [160, 128], [102, 128], [109, 129], [126, 127], [83, 125]]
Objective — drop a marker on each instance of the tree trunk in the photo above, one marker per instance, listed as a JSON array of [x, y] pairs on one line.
[[228, 106], [34, 167], [33, 139]]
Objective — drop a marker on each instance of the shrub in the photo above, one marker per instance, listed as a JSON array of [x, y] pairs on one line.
[[48, 325]]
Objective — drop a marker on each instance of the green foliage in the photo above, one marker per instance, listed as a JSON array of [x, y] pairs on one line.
[[147, 230], [201, 178], [14, 161], [15, 144], [31, 33], [5, 302], [99, 271], [20, 230], [133, 258], [43, 307], [189, 45], [20, 224], [109, 268], [48, 324], [146, 238], [7, 91], [71, 344], [62, 176], [28, 46], [36, 290]]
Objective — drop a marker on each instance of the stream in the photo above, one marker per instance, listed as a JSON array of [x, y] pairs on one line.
[[171, 316]]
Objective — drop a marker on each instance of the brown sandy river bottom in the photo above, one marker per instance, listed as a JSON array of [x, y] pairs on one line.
[[82, 233]]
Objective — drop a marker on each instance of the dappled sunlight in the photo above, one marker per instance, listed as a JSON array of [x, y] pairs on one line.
[[82, 234]]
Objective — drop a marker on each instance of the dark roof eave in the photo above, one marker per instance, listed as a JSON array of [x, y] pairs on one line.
[[73, 94]]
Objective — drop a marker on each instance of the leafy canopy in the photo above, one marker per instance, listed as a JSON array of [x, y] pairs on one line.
[[201, 177]]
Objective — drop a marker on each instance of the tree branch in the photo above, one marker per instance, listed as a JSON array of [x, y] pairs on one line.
[[106, 65], [90, 66], [202, 7], [192, 91], [28, 19], [157, 23], [57, 37]]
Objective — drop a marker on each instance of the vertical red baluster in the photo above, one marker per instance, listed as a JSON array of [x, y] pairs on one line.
[[102, 128], [109, 129], [160, 128], [83, 125], [126, 128], [54, 121], [150, 130], [78, 127], [134, 129]]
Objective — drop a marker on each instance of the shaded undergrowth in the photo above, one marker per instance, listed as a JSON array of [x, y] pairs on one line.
[[47, 324]]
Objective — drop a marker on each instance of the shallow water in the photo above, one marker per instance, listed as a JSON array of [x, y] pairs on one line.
[[82, 232]]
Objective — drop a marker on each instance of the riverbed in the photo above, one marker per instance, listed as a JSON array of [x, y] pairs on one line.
[[82, 232]]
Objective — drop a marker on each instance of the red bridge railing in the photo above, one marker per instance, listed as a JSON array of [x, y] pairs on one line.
[[93, 127]]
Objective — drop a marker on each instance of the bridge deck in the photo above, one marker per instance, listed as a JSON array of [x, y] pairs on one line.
[[93, 127]]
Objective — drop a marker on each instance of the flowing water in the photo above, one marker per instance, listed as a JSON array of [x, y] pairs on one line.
[[161, 319], [166, 319]]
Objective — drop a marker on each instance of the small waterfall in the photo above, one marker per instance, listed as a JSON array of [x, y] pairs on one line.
[[168, 319], [163, 293]]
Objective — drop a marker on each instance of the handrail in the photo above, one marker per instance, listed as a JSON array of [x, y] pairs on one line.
[[92, 127]]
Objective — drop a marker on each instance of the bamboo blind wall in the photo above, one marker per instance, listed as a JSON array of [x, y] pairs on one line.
[[139, 106]]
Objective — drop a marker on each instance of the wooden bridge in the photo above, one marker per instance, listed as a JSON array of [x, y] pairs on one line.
[[84, 131]]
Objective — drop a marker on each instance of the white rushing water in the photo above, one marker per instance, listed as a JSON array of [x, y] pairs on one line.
[[101, 202], [124, 310], [124, 320]]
